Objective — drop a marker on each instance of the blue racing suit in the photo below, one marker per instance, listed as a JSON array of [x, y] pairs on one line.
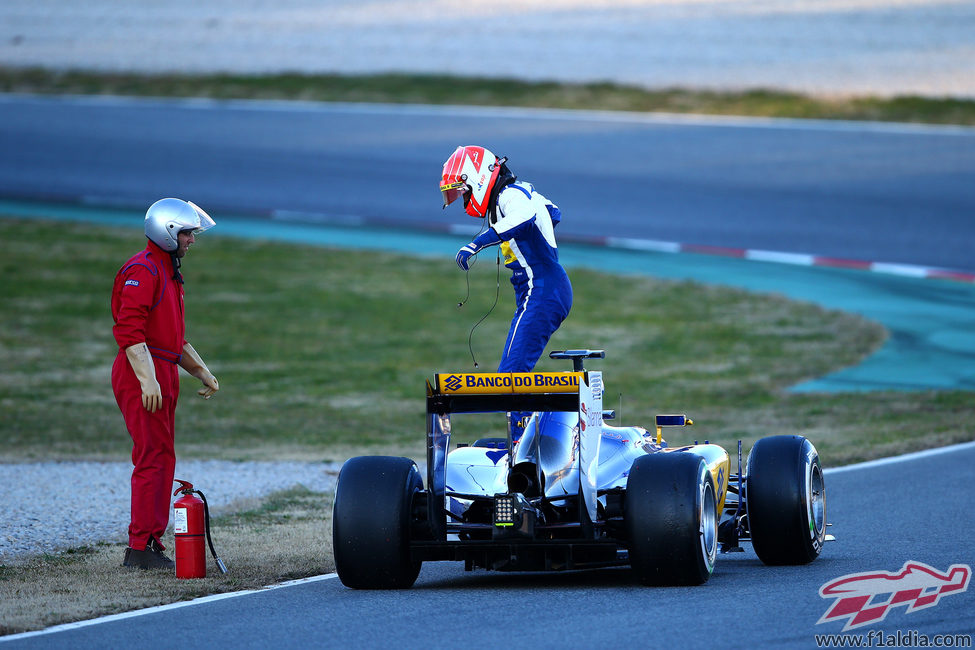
[[525, 229]]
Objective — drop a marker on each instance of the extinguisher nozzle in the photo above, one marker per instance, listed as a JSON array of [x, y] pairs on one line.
[[221, 566]]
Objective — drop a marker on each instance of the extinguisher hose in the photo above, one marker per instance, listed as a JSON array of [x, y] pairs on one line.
[[213, 552]]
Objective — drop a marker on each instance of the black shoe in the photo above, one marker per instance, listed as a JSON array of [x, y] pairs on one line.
[[151, 558]]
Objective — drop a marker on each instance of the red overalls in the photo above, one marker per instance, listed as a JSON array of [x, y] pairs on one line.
[[147, 305]]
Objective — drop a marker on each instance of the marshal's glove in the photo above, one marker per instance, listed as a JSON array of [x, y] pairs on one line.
[[191, 362], [145, 371]]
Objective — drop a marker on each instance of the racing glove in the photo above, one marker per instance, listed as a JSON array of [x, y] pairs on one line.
[[487, 238], [191, 362], [145, 371], [464, 255]]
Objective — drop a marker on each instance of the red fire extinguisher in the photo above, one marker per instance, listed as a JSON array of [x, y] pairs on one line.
[[192, 521]]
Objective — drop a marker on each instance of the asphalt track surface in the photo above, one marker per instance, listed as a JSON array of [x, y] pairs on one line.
[[878, 192], [319, 164], [885, 514]]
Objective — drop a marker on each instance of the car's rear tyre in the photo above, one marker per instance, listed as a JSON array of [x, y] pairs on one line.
[[786, 500], [671, 517], [371, 521]]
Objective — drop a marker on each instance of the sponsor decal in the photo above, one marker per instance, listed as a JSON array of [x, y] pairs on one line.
[[596, 379], [131, 283], [453, 382], [590, 426], [721, 485], [510, 382], [865, 598], [589, 417], [542, 380]]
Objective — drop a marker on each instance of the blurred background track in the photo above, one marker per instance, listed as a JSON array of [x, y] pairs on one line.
[[833, 47]]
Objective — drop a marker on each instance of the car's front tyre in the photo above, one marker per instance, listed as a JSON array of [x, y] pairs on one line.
[[786, 500]]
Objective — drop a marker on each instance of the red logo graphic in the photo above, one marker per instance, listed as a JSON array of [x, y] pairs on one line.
[[864, 598]]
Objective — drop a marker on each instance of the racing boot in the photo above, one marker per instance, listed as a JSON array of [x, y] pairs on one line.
[[151, 558]]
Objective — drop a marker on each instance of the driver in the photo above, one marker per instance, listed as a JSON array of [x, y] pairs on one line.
[[523, 222]]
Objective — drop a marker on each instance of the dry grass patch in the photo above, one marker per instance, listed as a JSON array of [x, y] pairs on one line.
[[286, 537]]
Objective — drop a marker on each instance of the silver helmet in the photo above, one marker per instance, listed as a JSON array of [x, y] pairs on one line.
[[166, 218]]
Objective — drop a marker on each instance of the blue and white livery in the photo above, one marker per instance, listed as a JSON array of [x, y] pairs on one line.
[[524, 225]]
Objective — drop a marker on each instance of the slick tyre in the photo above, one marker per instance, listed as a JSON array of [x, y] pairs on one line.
[[786, 500], [371, 521], [670, 515]]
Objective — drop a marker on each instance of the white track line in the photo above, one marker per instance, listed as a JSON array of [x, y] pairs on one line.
[[162, 608], [963, 446]]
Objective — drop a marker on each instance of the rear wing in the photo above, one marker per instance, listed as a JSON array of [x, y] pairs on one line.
[[503, 391], [449, 393]]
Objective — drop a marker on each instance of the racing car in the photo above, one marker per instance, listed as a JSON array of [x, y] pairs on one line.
[[571, 492]]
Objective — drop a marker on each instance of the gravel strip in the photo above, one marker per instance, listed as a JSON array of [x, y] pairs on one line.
[[54, 506]]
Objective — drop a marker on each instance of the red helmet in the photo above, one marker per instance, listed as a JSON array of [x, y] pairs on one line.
[[470, 172]]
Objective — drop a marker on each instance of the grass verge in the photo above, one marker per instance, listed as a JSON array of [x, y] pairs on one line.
[[322, 353], [440, 89]]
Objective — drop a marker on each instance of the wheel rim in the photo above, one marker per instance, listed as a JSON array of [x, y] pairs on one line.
[[709, 529], [816, 498]]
